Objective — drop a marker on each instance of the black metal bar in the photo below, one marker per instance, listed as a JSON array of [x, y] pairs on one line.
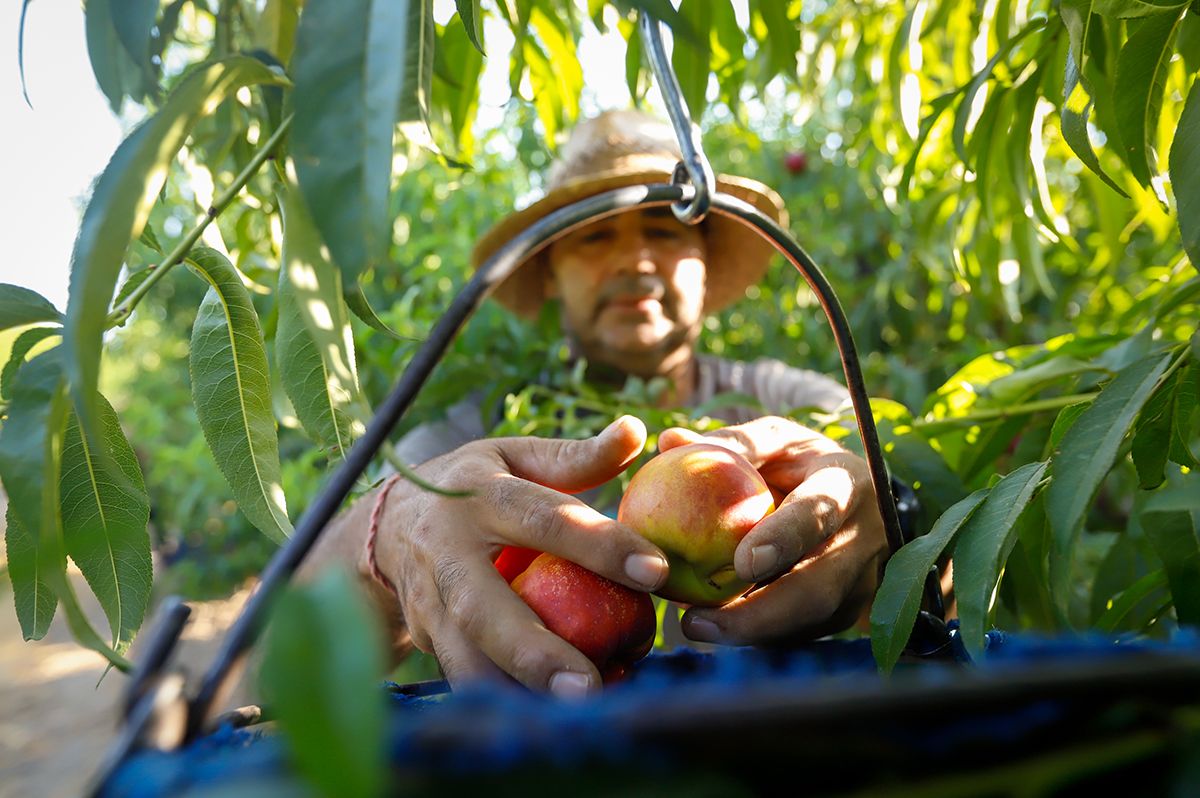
[[699, 171], [171, 618]]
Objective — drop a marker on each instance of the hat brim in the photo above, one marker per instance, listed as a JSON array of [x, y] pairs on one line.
[[737, 256]]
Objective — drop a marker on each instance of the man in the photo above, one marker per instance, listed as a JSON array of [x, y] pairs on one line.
[[633, 290]]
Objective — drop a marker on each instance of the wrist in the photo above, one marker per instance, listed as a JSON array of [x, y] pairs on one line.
[[369, 562]]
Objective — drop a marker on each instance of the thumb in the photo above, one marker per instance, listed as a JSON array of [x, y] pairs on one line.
[[573, 466], [679, 436]]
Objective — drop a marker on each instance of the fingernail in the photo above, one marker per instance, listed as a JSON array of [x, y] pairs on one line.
[[569, 684], [703, 630], [763, 560], [646, 569]]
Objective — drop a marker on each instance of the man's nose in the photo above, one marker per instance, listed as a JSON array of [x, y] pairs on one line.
[[639, 256]]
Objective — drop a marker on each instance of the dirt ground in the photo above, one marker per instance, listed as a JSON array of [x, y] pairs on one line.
[[57, 718]]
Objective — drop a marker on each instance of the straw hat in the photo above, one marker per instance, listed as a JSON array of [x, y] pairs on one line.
[[623, 148]]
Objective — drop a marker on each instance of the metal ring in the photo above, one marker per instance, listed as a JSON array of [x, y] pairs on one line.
[[695, 165]]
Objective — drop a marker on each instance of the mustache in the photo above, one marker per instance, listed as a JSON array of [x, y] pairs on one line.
[[641, 285]]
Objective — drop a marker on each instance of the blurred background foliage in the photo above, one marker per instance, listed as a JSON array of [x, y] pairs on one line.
[[998, 270]]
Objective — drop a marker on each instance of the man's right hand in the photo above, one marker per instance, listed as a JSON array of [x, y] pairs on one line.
[[438, 551]]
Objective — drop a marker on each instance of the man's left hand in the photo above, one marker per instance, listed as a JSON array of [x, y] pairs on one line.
[[817, 558]]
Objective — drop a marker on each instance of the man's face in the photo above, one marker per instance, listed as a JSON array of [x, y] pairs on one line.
[[632, 288]]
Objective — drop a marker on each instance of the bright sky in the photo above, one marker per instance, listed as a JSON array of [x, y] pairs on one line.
[[50, 154]]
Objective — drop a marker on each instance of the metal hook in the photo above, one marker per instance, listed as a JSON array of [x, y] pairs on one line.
[[694, 169]]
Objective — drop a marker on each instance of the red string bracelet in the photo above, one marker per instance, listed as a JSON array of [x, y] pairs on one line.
[[373, 532]]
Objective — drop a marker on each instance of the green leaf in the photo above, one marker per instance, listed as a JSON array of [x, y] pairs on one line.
[[232, 394], [277, 28], [1152, 435], [119, 207], [635, 66], [1171, 519], [1187, 398], [1077, 95], [1086, 455], [1013, 387], [21, 348], [456, 86], [416, 88], [21, 51], [116, 72], [782, 38], [1065, 419], [133, 21], [30, 457], [982, 547], [357, 301], [898, 599], [350, 68], [320, 673], [692, 60], [1184, 167], [32, 594], [1138, 93], [472, 21], [962, 116], [104, 520], [314, 347], [554, 74], [20, 306], [1128, 9], [1135, 605]]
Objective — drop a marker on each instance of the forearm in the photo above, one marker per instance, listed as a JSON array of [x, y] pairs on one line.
[[343, 544]]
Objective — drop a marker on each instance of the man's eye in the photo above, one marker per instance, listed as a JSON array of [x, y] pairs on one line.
[[595, 236], [664, 233]]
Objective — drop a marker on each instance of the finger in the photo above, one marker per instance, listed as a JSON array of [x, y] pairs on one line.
[[771, 438], [461, 660], [822, 595], [575, 465], [494, 619], [678, 436], [540, 518], [803, 521]]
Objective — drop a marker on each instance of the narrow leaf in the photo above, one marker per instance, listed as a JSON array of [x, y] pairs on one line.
[[21, 348], [1138, 93], [104, 523], [1170, 519], [115, 70], [1187, 398], [982, 547], [560, 75], [898, 599], [313, 341], [32, 594], [320, 673], [1077, 95], [119, 207], [1152, 435], [692, 60], [360, 306], [20, 306], [1184, 165], [21, 51], [349, 66], [1086, 455], [1127, 610], [232, 393], [472, 21], [133, 21], [962, 116]]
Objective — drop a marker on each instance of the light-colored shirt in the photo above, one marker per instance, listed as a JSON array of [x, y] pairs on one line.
[[774, 385]]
